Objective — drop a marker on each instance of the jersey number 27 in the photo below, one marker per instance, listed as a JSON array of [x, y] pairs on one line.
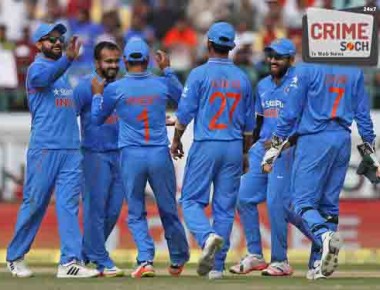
[[214, 124]]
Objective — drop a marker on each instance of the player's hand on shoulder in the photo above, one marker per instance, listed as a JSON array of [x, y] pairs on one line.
[[72, 50], [162, 59], [97, 86], [176, 150]]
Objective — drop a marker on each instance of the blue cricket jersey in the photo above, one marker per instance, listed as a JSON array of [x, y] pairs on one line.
[[322, 93], [96, 138], [218, 95], [50, 99], [270, 100], [140, 102]]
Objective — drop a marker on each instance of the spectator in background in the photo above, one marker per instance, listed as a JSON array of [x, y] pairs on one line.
[[13, 15], [243, 59], [140, 29], [293, 12], [74, 6], [204, 13], [141, 8], [4, 42], [296, 37], [54, 12], [245, 13], [181, 42], [8, 77], [162, 18], [87, 31], [270, 31], [24, 53], [112, 28]]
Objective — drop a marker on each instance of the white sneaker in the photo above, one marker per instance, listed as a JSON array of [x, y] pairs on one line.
[[19, 269], [248, 264], [213, 244], [75, 269], [315, 273], [215, 275], [331, 246], [112, 272]]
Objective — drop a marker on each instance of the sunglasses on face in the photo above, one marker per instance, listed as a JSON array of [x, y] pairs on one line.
[[277, 56], [54, 39]]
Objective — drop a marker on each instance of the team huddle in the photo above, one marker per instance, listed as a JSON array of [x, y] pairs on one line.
[[287, 144]]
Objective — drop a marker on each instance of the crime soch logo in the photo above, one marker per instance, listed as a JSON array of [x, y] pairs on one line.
[[340, 36]]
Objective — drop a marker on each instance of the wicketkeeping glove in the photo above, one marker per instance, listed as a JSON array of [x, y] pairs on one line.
[[274, 151], [369, 164]]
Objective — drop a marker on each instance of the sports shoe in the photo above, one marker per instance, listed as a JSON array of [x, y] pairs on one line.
[[76, 269], [315, 273], [330, 250], [18, 268], [215, 275], [213, 244], [175, 270], [143, 270], [278, 269], [112, 272], [248, 264]]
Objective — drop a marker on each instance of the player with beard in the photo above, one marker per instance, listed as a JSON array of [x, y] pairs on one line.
[[256, 187], [103, 191], [53, 158]]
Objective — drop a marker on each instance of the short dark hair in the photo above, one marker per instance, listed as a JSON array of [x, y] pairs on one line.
[[104, 45], [139, 62], [220, 48]]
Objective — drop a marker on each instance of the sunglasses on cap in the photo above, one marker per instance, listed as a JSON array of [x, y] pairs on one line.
[[276, 56], [53, 39]]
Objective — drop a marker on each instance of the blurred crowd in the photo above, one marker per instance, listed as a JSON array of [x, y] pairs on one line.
[[176, 26]]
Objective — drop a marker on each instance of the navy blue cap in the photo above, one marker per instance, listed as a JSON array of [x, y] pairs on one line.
[[282, 46], [222, 33], [46, 28], [136, 50]]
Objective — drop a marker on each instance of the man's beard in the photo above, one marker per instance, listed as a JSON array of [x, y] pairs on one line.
[[50, 54], [109, 74]]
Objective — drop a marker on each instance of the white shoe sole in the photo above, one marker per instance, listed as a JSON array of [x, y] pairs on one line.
[[329, 261], [22, 276], [64, 276], [206, 262]]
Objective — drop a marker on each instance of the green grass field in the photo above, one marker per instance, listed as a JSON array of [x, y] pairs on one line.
[[346, 277]]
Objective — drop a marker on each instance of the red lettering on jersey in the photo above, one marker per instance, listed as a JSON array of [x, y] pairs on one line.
[[64, 103], [336, 79], [271, 113], [141, 100]]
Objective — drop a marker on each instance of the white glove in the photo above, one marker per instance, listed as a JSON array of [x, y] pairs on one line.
[[273, 153]]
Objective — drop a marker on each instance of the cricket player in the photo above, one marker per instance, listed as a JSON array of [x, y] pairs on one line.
[[323, 102], [218, 96], [53, 158], [103, 191], [140, 101], [256, 186]]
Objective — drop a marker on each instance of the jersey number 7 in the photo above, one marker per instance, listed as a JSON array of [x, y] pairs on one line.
[[213, 123], [340, 92]]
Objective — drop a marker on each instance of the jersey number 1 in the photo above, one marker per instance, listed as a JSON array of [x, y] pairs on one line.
[[340, 92], [213, 123], [144, 117]]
